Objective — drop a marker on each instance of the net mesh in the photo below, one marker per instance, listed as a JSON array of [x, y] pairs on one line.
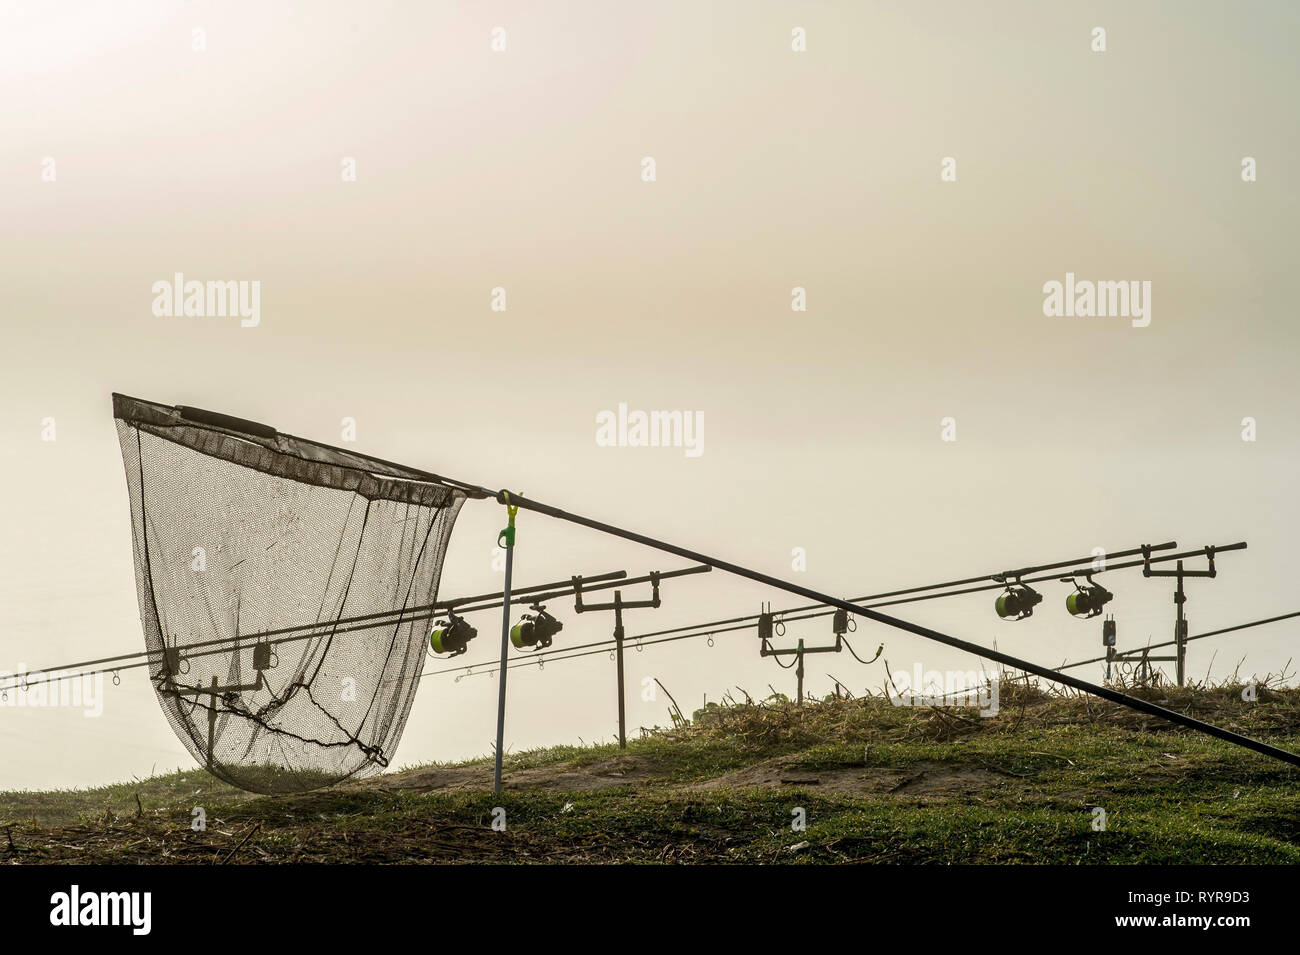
[[237, 534]]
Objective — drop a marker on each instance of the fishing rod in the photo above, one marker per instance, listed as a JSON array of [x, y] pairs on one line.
[[511, 499], [580, 587], [571, 653], [1200, 552], [1199, 636], [341, 625], [556, 655], [221, 644], [744, 622], [1000, 578], [782, 616], [563, 653]]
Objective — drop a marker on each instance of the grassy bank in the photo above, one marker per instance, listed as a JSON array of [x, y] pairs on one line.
[[875, 782]]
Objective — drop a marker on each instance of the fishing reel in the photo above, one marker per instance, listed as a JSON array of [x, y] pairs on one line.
[[535, 630], [451, 637], [1017, 602], [1088, 598]]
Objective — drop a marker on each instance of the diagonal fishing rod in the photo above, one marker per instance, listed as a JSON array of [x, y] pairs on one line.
[[956, 643], [511, 499], [1199, 636]]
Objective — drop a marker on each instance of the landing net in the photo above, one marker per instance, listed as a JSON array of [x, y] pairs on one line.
[[239, 530]]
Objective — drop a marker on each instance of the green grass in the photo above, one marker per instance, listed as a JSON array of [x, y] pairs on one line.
[[876, 783]]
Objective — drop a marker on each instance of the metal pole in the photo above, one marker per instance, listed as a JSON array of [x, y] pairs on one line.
[[212, 722], [618, 605], [618, 640], [1180, 627], [505, 651], [799, 671]]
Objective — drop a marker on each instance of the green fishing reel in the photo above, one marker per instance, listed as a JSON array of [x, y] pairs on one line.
[[536, 630], [452, 637], [1087, 599], [1017, 602]]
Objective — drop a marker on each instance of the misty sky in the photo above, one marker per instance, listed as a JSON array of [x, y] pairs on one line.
[[775, 169]]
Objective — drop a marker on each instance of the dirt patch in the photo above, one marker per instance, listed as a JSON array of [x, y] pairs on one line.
[[922, 779], [944, 779], [562, 777], [430, 779]]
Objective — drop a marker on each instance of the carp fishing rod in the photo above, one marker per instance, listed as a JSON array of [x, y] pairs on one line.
[[1000, 579], [343, 625], [219, 645], [716, 627], [580, 585], [591, 649], [475, 603], [1199, 636], [783, 616], [734, 624]]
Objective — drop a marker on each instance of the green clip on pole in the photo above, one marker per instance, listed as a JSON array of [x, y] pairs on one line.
[[505, 539]]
